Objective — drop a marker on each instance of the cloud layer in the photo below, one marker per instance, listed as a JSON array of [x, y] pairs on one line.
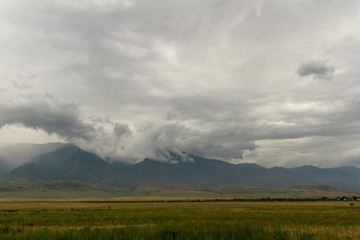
[[234, 80]]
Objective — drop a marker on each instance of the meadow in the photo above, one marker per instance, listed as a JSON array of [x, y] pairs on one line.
[[67, 219]]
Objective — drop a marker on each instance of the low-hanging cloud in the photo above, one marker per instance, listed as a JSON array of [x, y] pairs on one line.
[[317, 68], [159, 140], [222, 138], [148, 139]]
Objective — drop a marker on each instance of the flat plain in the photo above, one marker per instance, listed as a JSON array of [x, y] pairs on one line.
[[154, 218]]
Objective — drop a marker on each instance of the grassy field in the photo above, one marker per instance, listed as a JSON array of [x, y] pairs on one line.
[[66, 219]]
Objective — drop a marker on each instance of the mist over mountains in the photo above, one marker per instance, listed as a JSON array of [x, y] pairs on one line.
[[66, 162], [16, 154]]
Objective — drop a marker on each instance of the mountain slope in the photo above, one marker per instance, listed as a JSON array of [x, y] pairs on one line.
[[4, 168], [200, 171], [69, 163], [17, 154], [203, 171]]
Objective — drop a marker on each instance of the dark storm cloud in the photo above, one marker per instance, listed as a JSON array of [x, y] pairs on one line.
[[62, 119], [317, 68]]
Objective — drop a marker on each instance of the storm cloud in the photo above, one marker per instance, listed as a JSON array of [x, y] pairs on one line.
[[232, 80]]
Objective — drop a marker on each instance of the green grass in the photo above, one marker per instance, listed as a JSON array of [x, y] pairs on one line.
[[180, 220]]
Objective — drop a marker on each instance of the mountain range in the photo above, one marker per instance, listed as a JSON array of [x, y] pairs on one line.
[[70, 163]]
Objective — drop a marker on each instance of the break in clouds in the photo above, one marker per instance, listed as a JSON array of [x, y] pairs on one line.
[[232, 80]]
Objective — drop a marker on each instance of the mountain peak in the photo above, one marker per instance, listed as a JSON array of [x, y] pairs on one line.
[[68, 163]]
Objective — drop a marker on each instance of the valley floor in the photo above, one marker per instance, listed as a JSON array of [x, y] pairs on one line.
[[73, 219]]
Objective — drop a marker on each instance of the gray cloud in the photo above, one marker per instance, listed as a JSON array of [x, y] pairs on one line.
[[214, 78], [317, 68], [121, 129]]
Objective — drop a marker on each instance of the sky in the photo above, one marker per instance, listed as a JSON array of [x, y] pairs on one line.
[[271, 82]]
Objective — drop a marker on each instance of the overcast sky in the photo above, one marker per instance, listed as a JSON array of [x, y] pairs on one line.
[[272, 82]]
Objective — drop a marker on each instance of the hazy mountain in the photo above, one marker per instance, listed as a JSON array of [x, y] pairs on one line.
[[338, 177], [70, 163], [17, 154], [4, 168]]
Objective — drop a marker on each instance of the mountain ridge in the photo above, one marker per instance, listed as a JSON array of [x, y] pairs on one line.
[[71, 163]]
